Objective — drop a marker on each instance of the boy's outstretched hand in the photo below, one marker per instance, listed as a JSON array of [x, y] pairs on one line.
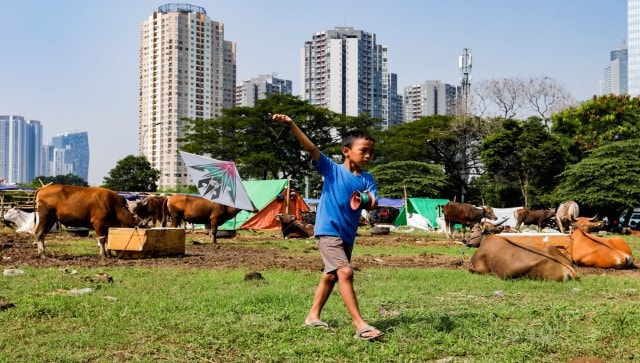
[[281, 118]]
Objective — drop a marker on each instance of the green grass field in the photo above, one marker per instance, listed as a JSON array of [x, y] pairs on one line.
[[214, 315]]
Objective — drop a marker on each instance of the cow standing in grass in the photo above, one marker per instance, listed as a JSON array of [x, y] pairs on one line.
[[531, 216], [199, 210], [90, 207], [465, 214], [150, 209]]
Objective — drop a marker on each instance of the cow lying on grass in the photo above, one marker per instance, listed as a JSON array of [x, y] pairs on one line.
[[505, 258], [74, 206], [197, 210], [595, 251], [25, 222], [294, 228]]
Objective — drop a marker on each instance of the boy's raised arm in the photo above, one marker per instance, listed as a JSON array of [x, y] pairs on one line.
[[306, 143]]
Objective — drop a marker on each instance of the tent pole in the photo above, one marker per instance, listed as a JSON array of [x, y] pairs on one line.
[[288, 196]]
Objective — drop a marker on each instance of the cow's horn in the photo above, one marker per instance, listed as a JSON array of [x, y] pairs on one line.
[[501, 222], [592, 218]]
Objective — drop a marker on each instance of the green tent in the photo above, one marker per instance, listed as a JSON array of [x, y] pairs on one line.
[[427, 208]]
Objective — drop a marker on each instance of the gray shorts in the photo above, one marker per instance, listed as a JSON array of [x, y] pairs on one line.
[[334, 252]]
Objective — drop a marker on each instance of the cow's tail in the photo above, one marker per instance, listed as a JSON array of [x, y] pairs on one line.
[[165, 212], [35, 206]]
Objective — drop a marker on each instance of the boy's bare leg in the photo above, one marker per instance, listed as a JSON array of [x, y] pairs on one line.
[[323, 291], [345, 282]]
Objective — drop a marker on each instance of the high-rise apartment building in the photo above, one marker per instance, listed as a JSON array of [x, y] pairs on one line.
[[342, 71], [429, 98], [253, 89], [71, 152], [20, 149], [615, 74], [391, 100], [633, 36], [187, 70]]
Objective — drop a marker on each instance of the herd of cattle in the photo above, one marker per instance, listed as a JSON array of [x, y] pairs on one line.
[[499, 253], [511, 255]]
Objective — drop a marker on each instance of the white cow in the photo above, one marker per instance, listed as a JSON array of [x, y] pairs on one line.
[[25, 221]]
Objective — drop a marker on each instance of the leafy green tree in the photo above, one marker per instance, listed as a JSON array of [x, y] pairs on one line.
[[133, 174], [261, 148], [523, 159], [420, 179], [264, 149], [69, 179], [598, 121], [453, 142], [605, 181]]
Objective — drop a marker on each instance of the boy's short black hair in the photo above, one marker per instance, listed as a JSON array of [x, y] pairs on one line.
[[349, 137]]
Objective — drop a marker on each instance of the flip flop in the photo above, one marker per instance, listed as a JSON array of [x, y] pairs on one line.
[[316, 324], [361, 332]]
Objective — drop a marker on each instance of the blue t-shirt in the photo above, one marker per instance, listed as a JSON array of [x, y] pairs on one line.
[[335, 216]]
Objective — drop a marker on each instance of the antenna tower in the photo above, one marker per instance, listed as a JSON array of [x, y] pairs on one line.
[[464, 63]]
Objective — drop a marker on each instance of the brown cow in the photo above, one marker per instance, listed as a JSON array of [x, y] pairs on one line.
[[150, 209], [195, 209], [594, 251], [533, 216], [293, 228], [74, 206], [504, 258], [465, 214]]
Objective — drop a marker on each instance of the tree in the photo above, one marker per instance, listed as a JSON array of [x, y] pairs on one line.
[[420, 179], [261, 148], [507, 94], [598, 121], [605, 181], [545, 96], [264, 149], [133, 174], [520, 97], [453, 142], [523, 158], [69, 179]]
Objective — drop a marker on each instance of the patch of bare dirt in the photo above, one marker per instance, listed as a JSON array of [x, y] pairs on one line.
[[18, 250]]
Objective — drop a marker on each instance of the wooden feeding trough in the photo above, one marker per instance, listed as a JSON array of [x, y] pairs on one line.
[[133, 243]]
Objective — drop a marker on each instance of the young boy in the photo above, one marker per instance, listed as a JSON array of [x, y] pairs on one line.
[[337, 222]]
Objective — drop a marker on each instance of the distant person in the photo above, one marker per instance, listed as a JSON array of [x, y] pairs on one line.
[[337, 222]]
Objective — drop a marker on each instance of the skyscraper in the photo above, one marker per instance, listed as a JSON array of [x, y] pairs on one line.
[[429, 98], [71, 154], [342, 72], [615, 74], [20, 149], [633, 36], [391, 100], [253, 89], [187, 70]]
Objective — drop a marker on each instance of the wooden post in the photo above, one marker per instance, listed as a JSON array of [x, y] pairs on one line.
[[288, 196]]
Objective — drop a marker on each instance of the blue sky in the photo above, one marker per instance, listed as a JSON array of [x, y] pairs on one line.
[[73, 64]]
